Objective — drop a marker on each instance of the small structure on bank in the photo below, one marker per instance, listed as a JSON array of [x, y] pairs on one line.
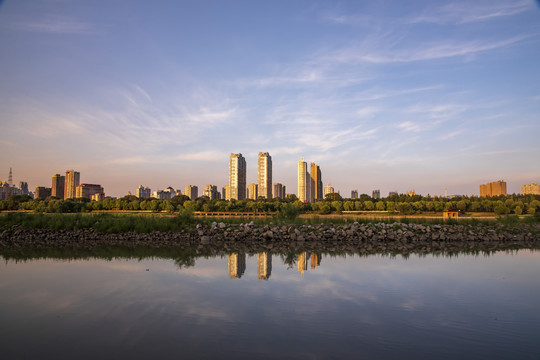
[[450, 214]]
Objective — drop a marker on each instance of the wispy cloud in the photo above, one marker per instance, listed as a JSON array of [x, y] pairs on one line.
[[409, 126], [55, 24], [467, 12]]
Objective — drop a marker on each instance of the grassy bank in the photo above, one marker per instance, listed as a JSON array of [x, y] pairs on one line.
[[185, 221]]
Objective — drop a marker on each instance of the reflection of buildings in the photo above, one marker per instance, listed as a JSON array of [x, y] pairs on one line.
[[264, 265], [237, 265], [315, 260], [302, 262]]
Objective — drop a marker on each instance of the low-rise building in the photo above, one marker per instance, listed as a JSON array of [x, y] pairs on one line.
[[87, 190]]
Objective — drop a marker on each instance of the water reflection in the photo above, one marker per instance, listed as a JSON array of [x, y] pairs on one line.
[[264, 265], [237, 265]]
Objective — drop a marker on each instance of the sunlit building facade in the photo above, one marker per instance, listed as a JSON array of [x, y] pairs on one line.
[[143, 192], [316, 185], [252, 191], [211, 192], [278, 191], [237, 177], [72, 180], [530, 189], [191, 191], [87, 190], [328, 189], [58, 184], [304, 182], [264, 166], [496, 188]]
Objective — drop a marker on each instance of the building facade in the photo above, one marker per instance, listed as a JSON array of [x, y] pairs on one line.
[[328, 189], [354, 194], [211, 192], [58, 185], [496, 188], [304, 182], [191, 191], [316, 183], [143, 192], [237, 177], [530, 189], [225, 193], [264, 166], [72, 180], [376, 194], [237, 265], [278, 191], [410, 193], [42, 192], [87, 190], [252, 191]]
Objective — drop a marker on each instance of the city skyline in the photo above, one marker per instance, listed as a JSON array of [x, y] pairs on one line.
[[382, 95]]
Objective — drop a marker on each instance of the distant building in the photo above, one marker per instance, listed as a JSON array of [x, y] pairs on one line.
[[392, 193], [354, 194], [376, 194], [237, 265], [143, 192], [225, 193], [23, 186], [97, 197], [211, 192], [264, 265], [304, 182], [237, 177], [252, 191], [58, 185], [42, 192], [264, 166], [72, 180], [278, 191], [191, 191], [495, 188], [316, 186], [530, 189], [328, 189], [87, 190], [410, 193]]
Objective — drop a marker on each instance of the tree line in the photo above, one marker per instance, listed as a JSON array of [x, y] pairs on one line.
[[333, 203]]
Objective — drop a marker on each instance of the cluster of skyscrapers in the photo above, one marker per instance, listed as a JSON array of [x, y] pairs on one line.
[[68, 186]]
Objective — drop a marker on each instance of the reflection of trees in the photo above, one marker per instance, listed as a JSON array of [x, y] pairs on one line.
[[184, 262], [289, 260]]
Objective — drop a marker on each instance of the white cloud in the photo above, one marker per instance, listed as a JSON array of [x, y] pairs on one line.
[[409, 126], [55, 24]]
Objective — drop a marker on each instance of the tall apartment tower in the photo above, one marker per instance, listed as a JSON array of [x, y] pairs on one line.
[[191, 191], [304, 182], [264, 265], [237, 177], [265, 175], [72, 180], [211, 191], [354, 194], [530, 189], [495, 188], [376, 194], [58, 184], [328, 189], [252, 191], [316, 183]]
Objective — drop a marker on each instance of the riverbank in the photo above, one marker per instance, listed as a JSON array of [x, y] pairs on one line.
[[392, 238]]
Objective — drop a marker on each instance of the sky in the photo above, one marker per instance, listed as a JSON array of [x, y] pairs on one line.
[[388, 95]]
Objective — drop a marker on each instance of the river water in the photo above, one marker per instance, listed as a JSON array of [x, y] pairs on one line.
[[250, 306]]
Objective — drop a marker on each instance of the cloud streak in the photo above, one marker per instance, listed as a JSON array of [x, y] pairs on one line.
[[54, 24]]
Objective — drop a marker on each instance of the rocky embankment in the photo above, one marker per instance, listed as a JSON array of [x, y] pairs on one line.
[[357, 238]]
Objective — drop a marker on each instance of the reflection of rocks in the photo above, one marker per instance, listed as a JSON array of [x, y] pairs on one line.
[[249, 238]]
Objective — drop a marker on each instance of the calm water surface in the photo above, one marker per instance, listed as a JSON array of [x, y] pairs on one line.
[[310, 306]]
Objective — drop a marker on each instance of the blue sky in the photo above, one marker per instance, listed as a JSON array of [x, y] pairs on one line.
[[388, 95]]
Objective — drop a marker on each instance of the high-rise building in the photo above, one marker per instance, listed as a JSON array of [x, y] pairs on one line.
[[495, 188], [304, 182], [211, 192], [530, 189], [376, 194], [410, 193], [191, 191], [252, 191], [237, 265], [87, 190], [392, 193], [23, 186], [278, 191], [72, 180], [226, 193], [237, 177], [42, 192], [316, 183], [264, 265], [328, 189], [143, 192], [264, 175], [354, 194], [58, 184]]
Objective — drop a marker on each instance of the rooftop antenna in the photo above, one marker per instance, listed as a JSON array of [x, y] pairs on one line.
[[10, 178]]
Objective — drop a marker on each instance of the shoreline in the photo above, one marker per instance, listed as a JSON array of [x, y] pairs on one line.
[[395, 238]]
